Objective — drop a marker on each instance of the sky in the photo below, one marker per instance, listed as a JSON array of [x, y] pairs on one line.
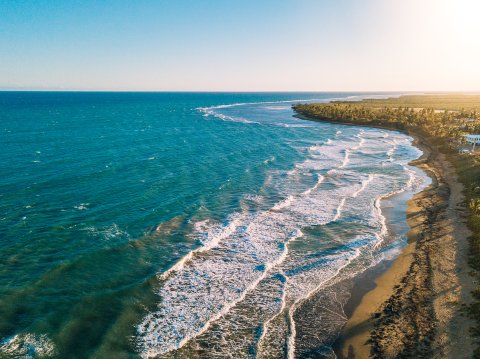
[[240, 45]]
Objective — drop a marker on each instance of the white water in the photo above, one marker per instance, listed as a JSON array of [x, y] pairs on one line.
[[27, 346], [205, 295]]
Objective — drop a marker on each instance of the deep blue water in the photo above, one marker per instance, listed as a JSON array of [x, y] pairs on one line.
[[168, 223]]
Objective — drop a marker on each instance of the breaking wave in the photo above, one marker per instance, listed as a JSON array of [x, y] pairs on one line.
[[241, 290], [27, 346]]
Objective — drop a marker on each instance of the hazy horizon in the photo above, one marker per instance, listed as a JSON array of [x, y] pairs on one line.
[[219, 46]]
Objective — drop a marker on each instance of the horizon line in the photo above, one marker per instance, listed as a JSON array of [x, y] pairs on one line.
[[240, 91]]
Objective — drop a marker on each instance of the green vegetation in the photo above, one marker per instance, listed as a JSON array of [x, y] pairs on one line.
[[442, 130], [429, 122], [451, 102]]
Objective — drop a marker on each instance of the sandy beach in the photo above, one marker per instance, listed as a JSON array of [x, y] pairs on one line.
[[414, 310]]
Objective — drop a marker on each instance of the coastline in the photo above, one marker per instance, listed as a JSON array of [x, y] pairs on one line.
[[413, 310]]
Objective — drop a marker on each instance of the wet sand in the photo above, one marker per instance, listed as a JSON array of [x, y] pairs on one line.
[[415, 307]]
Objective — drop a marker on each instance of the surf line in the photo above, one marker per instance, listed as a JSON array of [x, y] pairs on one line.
[[353, 195], [266, 324], [228, 306], [321, 178], [377, 209], [228, 230], [231, 228], [300, 301], [323, 100], [347, 151], [284, 293]]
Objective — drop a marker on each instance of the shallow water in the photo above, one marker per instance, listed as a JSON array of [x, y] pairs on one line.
[[187, 224]]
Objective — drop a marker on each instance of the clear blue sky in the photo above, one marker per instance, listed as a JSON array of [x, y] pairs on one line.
[[247, 45]]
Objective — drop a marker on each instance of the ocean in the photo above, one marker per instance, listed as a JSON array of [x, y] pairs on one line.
[[189, 225]]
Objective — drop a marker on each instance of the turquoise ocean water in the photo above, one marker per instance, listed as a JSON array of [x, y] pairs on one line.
[[187, 225]]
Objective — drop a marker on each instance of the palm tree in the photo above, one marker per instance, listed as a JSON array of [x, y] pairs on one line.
[[475, 206]]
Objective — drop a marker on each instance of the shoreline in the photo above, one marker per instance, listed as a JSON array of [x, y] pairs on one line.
[[353, 341], [412, 309]]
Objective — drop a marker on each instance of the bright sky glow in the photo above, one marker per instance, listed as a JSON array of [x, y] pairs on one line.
[[248, 45]]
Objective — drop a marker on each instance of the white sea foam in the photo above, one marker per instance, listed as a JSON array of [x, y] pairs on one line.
[[108, 233], [364, 185], [218, 107], [293, 333], [254, 198], [391, 152], [277, 108], [378, 210], [320, 179], [346, 158], [269, 160], [262, 243], [285, 203], [294, 125], [318, 100], [210, 112], [266, 324], [82, 206], [210, 237], [215, 111], [338, 212], [246, 274], [413, 179], [27, 345]]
